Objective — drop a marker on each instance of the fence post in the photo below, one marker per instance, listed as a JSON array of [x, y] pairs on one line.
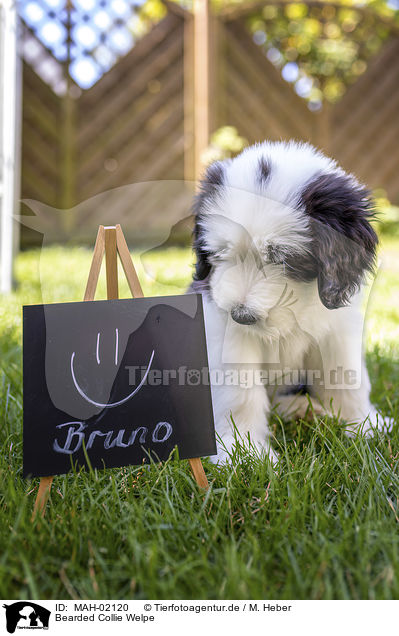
[[188, 96], [9, 139], [201, 81], [68, 134], [218, 80]]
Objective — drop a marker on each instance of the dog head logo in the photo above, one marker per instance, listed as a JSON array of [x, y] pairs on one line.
[[26, 615], [172, 227]]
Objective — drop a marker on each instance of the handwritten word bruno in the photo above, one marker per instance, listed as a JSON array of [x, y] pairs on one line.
[[76, 435]]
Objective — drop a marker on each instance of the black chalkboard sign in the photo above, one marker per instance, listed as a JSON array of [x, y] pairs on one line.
[[123, 379]]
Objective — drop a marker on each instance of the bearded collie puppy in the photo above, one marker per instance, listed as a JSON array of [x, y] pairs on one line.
[[283, 242]]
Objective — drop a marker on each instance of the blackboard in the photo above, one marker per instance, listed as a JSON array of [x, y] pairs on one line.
[[124, 379]]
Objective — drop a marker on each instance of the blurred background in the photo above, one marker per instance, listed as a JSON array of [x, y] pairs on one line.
[[110, 109]]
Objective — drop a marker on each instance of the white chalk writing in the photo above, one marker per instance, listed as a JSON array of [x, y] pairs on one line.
[[76, 435]]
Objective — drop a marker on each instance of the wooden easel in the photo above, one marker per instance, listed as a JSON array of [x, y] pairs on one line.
[[111, 241]]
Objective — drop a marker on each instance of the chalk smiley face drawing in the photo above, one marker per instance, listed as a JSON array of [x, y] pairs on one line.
[[118, 402]]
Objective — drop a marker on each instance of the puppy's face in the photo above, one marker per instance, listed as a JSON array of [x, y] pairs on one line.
[[250, 259], [276, 214]]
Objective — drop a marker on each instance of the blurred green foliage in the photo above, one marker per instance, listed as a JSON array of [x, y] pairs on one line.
[[321, 49], [387, 214], [225, 143]]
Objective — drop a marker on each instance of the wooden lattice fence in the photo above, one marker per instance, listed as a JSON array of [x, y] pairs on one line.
[[132, 127]]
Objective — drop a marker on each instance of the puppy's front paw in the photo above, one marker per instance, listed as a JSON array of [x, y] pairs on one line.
[[374, 422], [225, 450]]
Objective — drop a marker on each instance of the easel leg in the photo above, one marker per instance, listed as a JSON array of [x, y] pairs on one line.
[[127, 264], [198, 472], [95, 265], [42, 496], [111, 263]]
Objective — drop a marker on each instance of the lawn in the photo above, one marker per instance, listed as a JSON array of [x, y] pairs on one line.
[[323, 525]]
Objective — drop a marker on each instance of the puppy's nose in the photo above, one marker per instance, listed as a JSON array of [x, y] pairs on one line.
[[243, 315]]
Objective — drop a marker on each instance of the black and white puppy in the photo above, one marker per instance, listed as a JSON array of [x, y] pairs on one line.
[[283, 242]]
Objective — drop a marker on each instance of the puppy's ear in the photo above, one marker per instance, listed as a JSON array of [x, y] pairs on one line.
[[344, 242], [209, 190]]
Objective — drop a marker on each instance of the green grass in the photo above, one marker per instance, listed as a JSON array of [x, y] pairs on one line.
[[325, 524]]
